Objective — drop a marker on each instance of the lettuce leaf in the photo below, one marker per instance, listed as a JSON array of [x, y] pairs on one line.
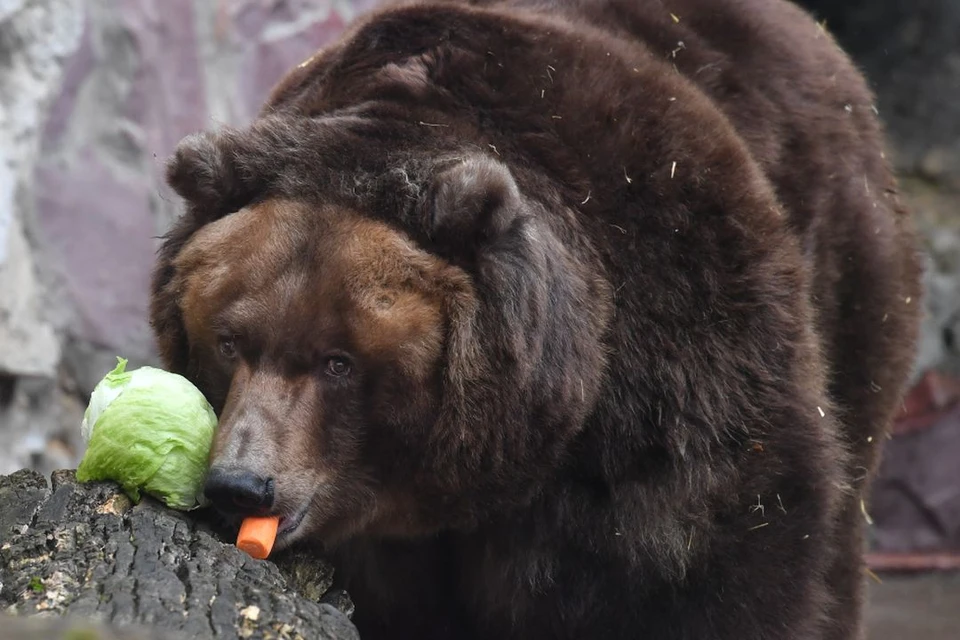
[[150, 431]]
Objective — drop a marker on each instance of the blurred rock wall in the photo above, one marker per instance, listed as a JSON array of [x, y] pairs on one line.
[[37, 38]]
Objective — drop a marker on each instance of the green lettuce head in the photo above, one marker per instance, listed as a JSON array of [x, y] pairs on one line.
[[148, 430]]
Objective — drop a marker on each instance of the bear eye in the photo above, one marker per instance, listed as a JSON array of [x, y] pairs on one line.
[[337, 367], [227, 347]]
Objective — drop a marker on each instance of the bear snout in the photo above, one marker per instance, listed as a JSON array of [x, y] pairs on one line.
[[239, 491]]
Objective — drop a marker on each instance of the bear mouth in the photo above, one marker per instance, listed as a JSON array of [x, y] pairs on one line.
[[290, 523]]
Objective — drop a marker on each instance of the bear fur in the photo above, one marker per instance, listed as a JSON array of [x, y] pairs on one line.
[[563, 318]]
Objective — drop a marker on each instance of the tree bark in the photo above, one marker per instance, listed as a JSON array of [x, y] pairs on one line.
[[83, 551]]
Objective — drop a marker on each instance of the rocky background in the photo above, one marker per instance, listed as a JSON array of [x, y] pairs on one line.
[[94, 95]]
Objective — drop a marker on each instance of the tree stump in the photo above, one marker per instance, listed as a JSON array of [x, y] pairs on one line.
[[83, 554]]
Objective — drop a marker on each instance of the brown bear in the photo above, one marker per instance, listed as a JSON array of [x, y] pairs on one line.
[[554, 319]]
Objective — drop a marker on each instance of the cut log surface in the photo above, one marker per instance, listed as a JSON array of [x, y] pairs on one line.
[[83, 551]]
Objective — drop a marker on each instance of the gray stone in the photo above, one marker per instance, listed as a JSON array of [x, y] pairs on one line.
[[280, 45], [7, 7], [39, 424], [131, 91], [105, 261], [940, 333], [86, 552], [937, 211], [28, 344], [35, 37]]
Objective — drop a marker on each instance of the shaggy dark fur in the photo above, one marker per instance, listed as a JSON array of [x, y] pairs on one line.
[[565, 318]]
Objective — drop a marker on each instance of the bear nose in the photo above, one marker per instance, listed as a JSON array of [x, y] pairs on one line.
[[238, 490]]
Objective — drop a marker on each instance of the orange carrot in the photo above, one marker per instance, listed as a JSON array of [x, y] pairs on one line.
[[257, 535]]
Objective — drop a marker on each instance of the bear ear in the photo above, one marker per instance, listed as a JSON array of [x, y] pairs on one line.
[[471, 204], [413, 74], [204, 172]]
